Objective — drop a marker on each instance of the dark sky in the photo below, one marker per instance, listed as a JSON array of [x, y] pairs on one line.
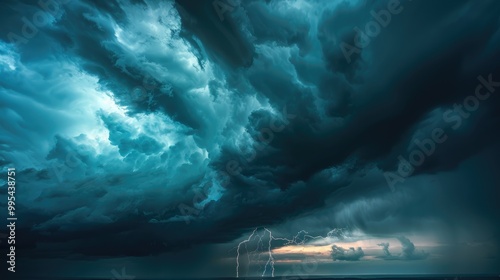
[[251, 138]]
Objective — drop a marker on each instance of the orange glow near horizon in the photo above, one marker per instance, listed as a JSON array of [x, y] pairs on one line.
[[303, 249], [325, 250]]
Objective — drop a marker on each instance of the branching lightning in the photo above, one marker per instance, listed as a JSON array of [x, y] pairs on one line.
[[301, 238]]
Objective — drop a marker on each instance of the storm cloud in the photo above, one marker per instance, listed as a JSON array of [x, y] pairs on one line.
[[351, 254], [408, 251], [181, 124]]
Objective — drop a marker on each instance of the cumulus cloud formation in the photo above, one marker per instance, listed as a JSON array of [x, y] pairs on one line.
[[342, 254], [141, 121], [385, 248], [408, 251]]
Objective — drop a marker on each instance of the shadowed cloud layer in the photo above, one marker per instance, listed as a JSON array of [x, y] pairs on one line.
[[138, 123]]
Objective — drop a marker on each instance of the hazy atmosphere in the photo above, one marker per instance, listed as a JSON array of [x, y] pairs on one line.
[[249, 138]]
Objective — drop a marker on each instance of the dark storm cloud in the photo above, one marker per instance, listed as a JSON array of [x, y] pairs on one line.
[[210, 87], [223, 39], [408, 251], [400, 100], [438, 205], [351, 254], [385, 248]]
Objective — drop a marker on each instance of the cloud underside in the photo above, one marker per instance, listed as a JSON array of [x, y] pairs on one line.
[[157, 120]]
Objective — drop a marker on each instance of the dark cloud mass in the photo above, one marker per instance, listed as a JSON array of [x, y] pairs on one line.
[[386, 249], [408, 251], [145, 130], [351, 254]]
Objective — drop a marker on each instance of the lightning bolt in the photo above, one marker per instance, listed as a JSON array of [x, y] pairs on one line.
[[301, 238]]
